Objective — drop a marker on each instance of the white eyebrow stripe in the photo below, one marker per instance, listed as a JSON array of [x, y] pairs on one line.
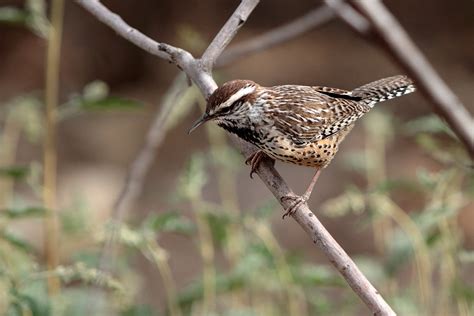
[[239, 94]]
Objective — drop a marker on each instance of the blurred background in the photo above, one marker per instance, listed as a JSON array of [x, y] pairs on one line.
[[203, 238]]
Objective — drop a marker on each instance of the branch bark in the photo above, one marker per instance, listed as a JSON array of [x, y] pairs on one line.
[[399, 45], [200, 75], [227, 33]]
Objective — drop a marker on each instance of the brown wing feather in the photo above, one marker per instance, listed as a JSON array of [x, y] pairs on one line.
[[313, 116]]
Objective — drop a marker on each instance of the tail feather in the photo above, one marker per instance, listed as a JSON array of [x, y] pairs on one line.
[[384, 89]]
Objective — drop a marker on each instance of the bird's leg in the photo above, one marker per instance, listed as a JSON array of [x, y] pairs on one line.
[[298, 200], [254, 161]]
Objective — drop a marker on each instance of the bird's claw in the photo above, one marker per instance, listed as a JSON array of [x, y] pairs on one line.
[[254, 161], [298, 201]]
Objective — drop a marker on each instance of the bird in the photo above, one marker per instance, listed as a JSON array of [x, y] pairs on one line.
[[298, 124]]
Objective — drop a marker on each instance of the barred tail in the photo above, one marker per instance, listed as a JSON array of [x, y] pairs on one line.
[[384, 89]]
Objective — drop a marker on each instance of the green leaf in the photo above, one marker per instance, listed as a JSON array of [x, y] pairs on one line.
[[23, 212], [33, 304], [170, 222], [12, 15], [110, 103], [138, 310], [15, 172], [390, 185], [26, 111], [464, 290], [37, 20], [193, 178], [427, 124], [194, 292], [315, 275], [218, 224], [88, 257], [16, 241]]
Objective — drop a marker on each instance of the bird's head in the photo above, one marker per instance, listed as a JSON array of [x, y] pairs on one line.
[[228, 103]]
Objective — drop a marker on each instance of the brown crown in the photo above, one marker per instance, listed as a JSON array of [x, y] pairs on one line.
[[226, 91]]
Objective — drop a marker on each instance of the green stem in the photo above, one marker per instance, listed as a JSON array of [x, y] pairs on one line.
[[160, 258], [51, 225]]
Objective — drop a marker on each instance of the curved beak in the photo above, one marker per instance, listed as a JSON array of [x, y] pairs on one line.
[[204, 118]]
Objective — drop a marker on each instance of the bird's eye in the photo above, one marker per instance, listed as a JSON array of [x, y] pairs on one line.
[[227, 109]]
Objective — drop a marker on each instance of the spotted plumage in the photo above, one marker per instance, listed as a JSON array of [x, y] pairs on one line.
[[303, 125], [298, 124]]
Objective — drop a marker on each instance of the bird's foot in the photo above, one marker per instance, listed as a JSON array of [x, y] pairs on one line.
[[297, 202], [254, 161]]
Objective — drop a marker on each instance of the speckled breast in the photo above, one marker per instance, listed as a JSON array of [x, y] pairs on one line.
[[318, 154]]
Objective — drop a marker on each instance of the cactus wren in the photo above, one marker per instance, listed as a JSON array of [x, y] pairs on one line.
[[303, 125]]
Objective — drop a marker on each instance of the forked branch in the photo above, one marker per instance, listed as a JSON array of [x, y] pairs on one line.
[[200, 75]]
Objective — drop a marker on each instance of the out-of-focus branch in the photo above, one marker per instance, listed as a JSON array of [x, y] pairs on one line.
[[135, 178], [398, 44], [303, 215], [277, 35], [349, 15]]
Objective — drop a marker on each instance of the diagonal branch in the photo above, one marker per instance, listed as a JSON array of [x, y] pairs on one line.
[[180, 57], [140, 166], [277, 35], [303, 215], [320, 236], [227, 33], [115, 22], [135, 178], [349, 15], [398, 44]]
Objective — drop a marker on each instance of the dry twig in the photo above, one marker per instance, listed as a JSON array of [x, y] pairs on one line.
[[399, 45], [200, 75], [281, 34]]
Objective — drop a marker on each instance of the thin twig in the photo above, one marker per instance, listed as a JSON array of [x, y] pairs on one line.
[[398, 44], [51, 224], [277, 35], [227, 33], [307, 220], [349, 15]]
